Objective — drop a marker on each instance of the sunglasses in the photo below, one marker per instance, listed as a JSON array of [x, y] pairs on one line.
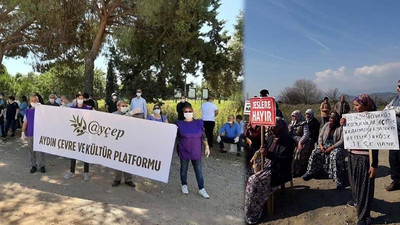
[[188, 111]]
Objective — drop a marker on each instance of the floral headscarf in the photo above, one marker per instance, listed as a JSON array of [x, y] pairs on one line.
[[366, 101], [298, 115]]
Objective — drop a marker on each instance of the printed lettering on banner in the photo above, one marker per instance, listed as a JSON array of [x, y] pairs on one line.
[[371, 130], [262, 111], [116, 141]]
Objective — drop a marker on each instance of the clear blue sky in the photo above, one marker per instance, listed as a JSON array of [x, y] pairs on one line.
[[228, 11], [350, 45]]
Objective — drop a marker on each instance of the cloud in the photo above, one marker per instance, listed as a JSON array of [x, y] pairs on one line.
[[378, 70], [367, 79]]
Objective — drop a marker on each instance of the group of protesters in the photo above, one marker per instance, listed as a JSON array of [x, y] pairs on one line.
[[301, 147], [194, 135]]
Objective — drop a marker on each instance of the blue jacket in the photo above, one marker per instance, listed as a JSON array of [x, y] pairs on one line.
[[230, 131]]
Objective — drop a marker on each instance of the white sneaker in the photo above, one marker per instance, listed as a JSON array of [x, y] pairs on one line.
[[69, 175], [203, 193], [86, 177], [185, 189]]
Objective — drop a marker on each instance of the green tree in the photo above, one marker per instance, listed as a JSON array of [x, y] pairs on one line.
[[43, 27], [167, 44]]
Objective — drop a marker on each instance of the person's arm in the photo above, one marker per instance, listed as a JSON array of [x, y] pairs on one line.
[[321, 137], [339, 143], [131, 105], [374, 165], [306, 134], [205, 143], [284, 155], [144, 108], [221, 130], [216, 112]]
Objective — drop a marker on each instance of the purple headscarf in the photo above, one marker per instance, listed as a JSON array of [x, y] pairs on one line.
[[366, 101]]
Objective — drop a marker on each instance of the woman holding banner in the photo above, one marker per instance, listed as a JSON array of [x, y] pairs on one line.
[[362, 171], [79, 105], [277, 152], [191, 137]]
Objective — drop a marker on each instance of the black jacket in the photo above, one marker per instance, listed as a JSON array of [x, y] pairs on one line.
[[313, 127], [281, 159]]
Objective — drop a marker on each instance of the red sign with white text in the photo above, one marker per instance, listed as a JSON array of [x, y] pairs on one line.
[[262, 111]]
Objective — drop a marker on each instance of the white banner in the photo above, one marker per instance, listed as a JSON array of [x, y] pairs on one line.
[[136, 146], [371, 130]]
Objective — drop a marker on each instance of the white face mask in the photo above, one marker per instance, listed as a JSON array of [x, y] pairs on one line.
[[10, 101], [188, 116], [1, 96], [183, 100], [63, 103], [138, 94], [114, 97], [34, 104], [230, 122], [157, 111], [52, 100], [79, 101], [124, 109]]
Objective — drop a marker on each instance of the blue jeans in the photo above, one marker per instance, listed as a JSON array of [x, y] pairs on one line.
[[197, 170]]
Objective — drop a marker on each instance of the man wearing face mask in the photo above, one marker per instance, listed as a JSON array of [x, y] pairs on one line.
[[52, 100], [111, 105], [65, 102], [27, 134], [121, 110], [180, 106], [79, 105], [89, 101], [138, 107], [11, 116], [232, 132]]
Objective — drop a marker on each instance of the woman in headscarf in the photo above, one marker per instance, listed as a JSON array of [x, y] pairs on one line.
[[298, 129], [328, 158], [313, 126], [362, 171], [277, 154]]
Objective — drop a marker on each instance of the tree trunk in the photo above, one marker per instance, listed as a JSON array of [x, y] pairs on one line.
[[2, 51], [94, 51]]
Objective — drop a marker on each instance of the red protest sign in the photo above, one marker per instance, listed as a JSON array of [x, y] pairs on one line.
[[262, 111]]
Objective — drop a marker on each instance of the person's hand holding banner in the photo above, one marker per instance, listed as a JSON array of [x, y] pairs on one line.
[[219, 139], [372, 172], [236, 140], [207, 151], [16, 116], [300, 146]]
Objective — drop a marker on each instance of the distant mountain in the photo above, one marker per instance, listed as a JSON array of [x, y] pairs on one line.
[[379, 97]]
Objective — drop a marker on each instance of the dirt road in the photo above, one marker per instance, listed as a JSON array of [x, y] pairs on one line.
[[50, 199]]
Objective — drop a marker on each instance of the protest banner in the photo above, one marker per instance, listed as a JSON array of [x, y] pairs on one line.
[[262, 111], [371, 130], [137, 146], [247, 107]]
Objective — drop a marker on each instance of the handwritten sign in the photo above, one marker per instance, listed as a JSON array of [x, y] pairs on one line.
[[247, 107], [262, 111], [371, 130]]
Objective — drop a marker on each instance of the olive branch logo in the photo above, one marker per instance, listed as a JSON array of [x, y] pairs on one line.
[[79, 124]]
